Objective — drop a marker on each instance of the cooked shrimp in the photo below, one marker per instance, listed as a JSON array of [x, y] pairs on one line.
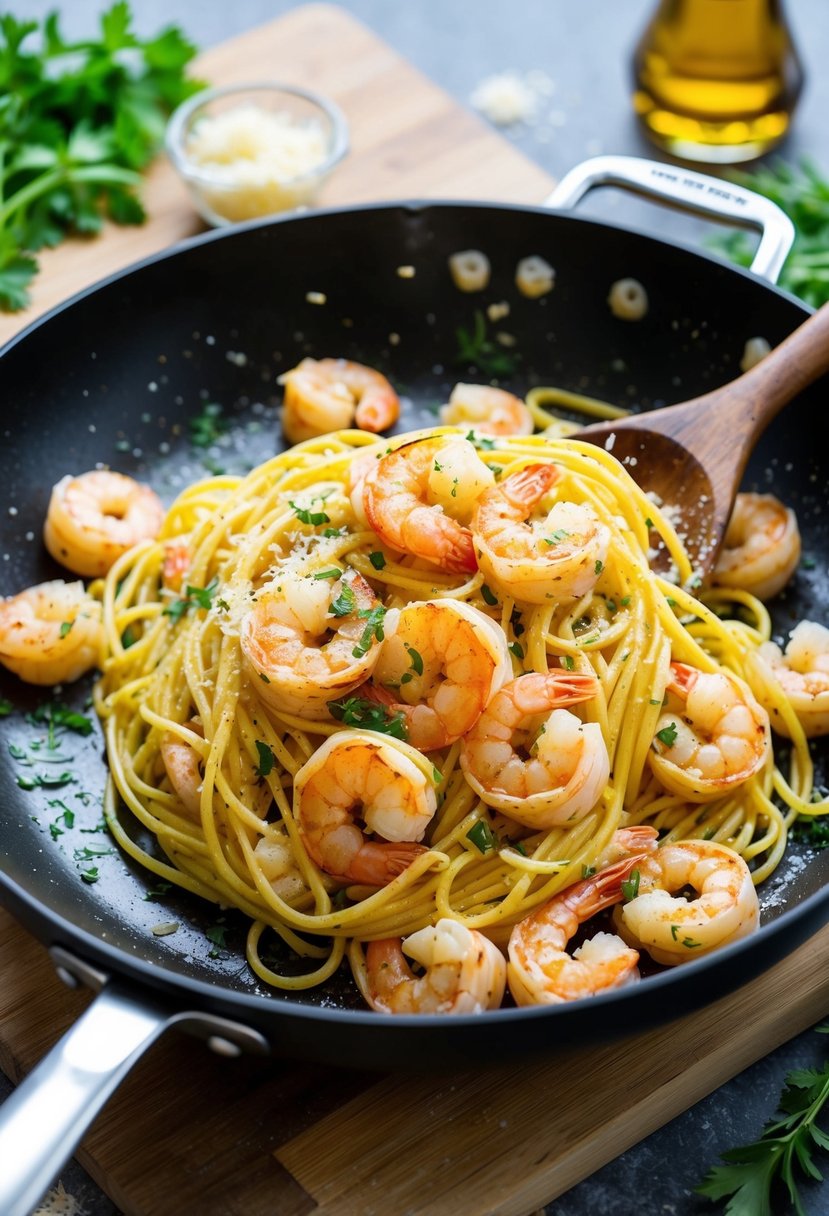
[[308, 641], [419, 493], [182, 765], [566, 766], [440, 663], [711, 736], [323, 395], [802, 671], [638, 838], [94, 518], [464, 972], [541, 972], [175, 565], [761, 548], [50, 633], [491, 411], [674, 929], [355, 774], [557, 556]]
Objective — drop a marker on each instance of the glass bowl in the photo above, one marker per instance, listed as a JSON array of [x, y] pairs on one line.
[[247, 151]]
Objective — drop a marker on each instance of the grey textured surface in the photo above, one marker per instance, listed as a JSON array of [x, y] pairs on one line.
[[585, 49]]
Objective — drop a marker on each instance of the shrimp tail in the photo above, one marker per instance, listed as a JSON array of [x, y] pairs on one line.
[[602, 890], [457, 550], [541, 693], [376, 413], [522, 490], [378, 862]]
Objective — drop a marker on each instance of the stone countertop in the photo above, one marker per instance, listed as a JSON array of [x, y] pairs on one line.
[[583, 50]]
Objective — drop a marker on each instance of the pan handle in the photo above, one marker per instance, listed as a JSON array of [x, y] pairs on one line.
[[689, 191], [48, 1113]]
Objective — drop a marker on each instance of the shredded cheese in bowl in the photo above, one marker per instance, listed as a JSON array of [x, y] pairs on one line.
[[252, 151]]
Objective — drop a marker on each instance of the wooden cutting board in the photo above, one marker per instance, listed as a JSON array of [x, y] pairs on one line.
[[409, 139], [189, 1132]]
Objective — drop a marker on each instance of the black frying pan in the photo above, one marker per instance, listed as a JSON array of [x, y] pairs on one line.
[[115, 375]]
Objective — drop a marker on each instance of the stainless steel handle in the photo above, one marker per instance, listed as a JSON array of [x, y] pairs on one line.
[[47, 1115], [689, 191]]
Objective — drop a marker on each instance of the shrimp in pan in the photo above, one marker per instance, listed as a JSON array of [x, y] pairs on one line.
[[323, 395], [802, 671], [674, 929], [182, 764], [464, 971], [490, 411], [567, 766], [94, 518], [440, 663], [711, 736], [761, 548], [305, 642], [556, 556], [419, 495], [359, 775], [542, 972], [51, 633]]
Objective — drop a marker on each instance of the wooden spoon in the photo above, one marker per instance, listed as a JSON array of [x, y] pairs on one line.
[[693, 455]]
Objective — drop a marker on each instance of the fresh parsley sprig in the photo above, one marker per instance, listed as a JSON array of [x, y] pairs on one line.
[[78, 121], [787, 1143], [803, 193], [476, 349]]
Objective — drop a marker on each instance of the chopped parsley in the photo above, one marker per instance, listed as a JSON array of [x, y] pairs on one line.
[[482, 442], [156, 892], [630, 887], [488, 596], [65, 628], [475, 348], [217, 935], [588, 871], [266, 758], [56, 714], [377, 560], [567, 662], [6, 707], [667, 735], [364, 714], [334, 572], [309, 517], [345, 603], [416, 662], [206, 427], [374, 629], [599, 566], [91, 875], [517, 649], [555, 538], [194, 597], [482, 836]]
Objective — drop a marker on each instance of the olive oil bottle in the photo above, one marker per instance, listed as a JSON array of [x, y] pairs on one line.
[[717, 80]]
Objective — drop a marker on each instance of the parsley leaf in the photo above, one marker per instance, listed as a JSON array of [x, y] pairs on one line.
[[309, 517], [6, 707], [345, 602], [751, 1170], [374, 629], [266, 759], [475, 348], [482, 836], [78, 121], [364, 714], [667, 735]]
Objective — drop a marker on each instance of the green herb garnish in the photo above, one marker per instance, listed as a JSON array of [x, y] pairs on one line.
[[309, 517], [630, 887], [334, 572], [667, 735], [488, 596], [78, 120], [751, 1170], [482, 442], [6, 707], [266, 758], [517, 649], [345, 602], [55, 714], [377, 560], [482, 836], [567, 662], [374, 629], [194, 597], [475, 348], [363, 714]]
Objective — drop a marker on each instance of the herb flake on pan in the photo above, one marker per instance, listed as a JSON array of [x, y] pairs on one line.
[[207, 426], [55, 714], [363, 714], [476, 349], [6, 707]]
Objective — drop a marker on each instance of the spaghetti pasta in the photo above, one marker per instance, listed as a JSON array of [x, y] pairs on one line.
[[242, 841]]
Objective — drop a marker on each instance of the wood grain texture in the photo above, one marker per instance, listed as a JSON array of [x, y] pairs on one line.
[[417, 143], [191, 1132]]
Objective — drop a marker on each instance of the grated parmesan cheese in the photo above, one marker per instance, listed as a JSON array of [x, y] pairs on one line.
[[505, 99], [257, 161]]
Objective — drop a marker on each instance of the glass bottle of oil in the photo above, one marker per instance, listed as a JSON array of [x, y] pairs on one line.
[[717, 80]]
